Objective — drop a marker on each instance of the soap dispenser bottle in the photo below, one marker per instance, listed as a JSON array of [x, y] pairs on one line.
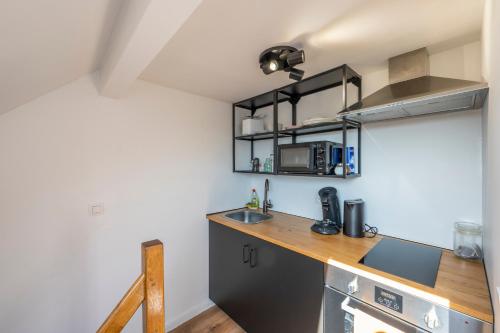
[[254, 200]]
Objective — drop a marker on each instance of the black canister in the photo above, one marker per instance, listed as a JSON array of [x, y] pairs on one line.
[[354, 218]]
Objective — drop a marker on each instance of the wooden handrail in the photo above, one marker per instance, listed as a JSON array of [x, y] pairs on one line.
[[146, 290], [125, 309]]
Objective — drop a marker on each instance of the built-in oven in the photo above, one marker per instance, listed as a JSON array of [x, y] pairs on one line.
[[357, 302], [317, 157]]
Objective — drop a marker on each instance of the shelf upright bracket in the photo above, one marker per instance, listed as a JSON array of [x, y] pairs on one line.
[[359, 149], [344, 86], [234, 139], [275, 131], [358, 83], [360, 92], [344, 148], [252, 113], [294, 99]]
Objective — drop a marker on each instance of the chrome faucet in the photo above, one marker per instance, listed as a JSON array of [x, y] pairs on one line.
[[267, 203]]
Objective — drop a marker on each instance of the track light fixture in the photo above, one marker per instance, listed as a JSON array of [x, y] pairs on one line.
[[296, 74], [283, 58]]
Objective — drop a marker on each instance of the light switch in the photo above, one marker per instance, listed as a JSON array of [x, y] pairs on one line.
[[498, 295], [96, 209]]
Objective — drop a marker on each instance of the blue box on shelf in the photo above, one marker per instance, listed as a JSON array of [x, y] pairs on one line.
[[349, 157]]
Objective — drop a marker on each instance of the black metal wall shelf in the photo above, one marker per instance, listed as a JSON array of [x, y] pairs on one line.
[[332, 78], [261, 101], [337, 77], [261, 136], [255, 172], [319, 128], [353, 175]]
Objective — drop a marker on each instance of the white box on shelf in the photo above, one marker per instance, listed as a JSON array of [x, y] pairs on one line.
[[252, 126]]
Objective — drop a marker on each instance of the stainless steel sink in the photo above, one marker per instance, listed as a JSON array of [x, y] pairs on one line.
[[248, 217]]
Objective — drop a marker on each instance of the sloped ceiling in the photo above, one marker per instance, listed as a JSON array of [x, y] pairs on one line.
[[45, 44], [215, 53]]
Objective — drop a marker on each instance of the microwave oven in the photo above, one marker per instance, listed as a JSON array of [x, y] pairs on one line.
[[319, 157]]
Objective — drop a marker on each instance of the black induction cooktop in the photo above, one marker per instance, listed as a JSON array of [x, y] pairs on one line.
[[412, 261]]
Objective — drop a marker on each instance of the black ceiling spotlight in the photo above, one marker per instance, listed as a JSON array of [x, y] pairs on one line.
[[283, 58]]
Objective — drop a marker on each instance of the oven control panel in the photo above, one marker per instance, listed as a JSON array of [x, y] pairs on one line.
[[389, 299]]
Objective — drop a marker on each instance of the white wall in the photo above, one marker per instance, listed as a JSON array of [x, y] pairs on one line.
[[491, 119], [419, 175], [159, 160]]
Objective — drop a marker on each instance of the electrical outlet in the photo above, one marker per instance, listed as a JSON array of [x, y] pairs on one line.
[[96, 209]]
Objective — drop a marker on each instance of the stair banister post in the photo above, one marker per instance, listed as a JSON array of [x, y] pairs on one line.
[[153, 313]]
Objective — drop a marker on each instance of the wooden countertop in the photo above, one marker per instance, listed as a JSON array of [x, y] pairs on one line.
[[462, 283]]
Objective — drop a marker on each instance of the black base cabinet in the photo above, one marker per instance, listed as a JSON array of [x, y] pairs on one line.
[[263, 287]]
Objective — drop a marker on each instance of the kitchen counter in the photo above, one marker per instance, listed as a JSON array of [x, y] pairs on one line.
[[461, 284]]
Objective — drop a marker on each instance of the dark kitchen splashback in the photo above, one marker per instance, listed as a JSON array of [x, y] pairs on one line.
[[412, 261]]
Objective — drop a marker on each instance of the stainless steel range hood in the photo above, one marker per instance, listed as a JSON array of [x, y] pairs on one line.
[[413, 92]]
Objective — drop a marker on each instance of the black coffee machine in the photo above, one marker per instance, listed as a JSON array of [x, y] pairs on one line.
[[331, 224]]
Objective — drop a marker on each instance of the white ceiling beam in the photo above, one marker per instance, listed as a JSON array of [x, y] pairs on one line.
[[142, 29]]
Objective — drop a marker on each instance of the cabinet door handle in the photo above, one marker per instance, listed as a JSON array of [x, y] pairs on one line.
[[253, 257], [246, 254]]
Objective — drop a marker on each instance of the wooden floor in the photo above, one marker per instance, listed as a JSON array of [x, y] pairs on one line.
[[213, 320]]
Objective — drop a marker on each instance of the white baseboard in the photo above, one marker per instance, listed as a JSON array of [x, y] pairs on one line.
[[182, 318]]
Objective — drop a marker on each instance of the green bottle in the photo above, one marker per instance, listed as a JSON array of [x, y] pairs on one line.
[[254, 200]]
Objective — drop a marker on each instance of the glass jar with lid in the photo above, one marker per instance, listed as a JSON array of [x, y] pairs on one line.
[[468, 241]]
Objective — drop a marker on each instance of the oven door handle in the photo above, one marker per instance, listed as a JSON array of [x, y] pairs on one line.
[[345, 306]]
